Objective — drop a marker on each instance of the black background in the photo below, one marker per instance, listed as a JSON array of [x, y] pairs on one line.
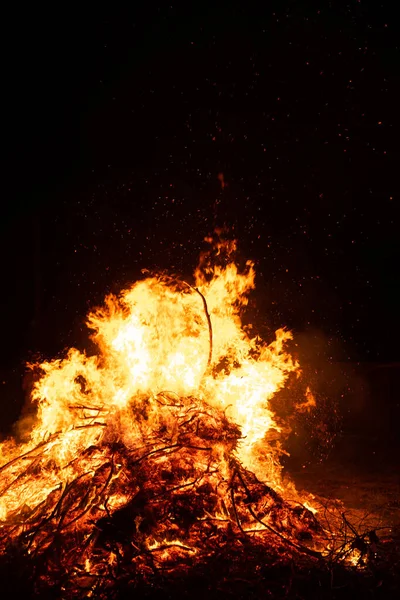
[[117, 124]]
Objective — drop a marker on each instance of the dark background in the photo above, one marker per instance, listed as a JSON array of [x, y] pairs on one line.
[[117, 124]]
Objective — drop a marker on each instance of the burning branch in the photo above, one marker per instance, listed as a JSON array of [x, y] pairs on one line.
[[210, 333]]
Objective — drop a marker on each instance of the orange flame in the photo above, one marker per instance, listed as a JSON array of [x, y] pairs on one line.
[[161, 338]]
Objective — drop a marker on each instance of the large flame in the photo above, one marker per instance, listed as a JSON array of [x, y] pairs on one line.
[[175, 372], [161, 336]]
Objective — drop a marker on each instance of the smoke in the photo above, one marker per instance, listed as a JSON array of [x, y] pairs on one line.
[[320, 404]]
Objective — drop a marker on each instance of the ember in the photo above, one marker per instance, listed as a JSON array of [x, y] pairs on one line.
[[161, 452]]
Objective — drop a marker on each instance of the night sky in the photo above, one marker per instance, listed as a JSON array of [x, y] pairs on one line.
[[118, 125]]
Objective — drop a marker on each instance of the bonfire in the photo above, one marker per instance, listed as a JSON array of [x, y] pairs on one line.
[[159, 456]]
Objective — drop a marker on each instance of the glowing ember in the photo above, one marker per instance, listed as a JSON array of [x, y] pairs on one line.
[[156, 450]]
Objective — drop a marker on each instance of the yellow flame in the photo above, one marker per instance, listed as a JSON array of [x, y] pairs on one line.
[[154, 338]]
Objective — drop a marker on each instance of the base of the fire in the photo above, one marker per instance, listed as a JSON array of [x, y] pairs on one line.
[[180, 517]]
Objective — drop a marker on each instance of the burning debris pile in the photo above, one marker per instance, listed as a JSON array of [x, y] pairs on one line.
[[126, 511], [161, 453]]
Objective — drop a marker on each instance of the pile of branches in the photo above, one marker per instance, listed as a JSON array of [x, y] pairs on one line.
[[177, 512]]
